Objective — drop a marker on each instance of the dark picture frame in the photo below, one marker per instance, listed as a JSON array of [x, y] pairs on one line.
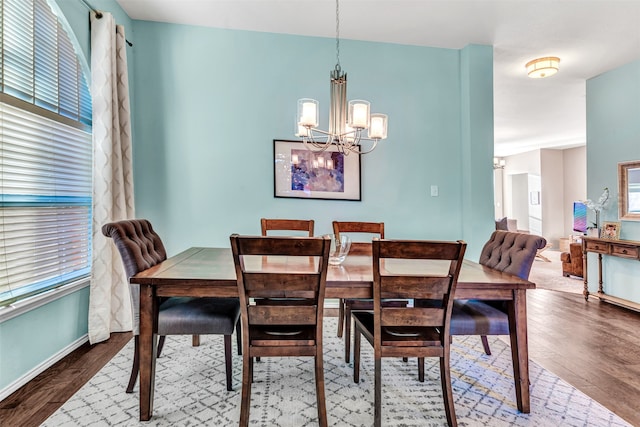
[[303, 174]]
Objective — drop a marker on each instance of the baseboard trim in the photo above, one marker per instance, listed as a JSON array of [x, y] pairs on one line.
[[40, 368]]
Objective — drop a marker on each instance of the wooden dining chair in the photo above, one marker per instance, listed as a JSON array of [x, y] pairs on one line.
[[289, 321], [273, 224], [410, 331], [140, 248], [347, 305], [506, 251], [297, 226]]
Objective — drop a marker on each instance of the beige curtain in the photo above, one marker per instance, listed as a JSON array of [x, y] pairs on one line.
[[109, 301]]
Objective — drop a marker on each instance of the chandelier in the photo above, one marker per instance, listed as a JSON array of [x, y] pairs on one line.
[[347, 122]]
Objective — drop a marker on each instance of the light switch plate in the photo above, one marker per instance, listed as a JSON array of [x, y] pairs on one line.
[[434, 191]]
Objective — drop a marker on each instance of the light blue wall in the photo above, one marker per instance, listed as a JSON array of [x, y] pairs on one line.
[[207, 104], [477, 141], [210, 102], [613, 136], [28, 340]]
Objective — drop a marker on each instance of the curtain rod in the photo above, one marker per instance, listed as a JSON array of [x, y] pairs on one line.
[[99, 15], [91, 8]]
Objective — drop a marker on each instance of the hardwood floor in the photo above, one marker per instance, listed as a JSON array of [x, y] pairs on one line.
[[594, 346], [37, 400]]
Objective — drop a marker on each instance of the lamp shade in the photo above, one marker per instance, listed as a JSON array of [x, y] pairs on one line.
[[543, 67], [307, 112], [378, 128]]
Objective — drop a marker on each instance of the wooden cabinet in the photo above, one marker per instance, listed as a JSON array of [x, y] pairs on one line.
[[629, 249]]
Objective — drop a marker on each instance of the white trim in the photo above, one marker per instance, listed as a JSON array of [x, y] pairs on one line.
[[22, 306], [37, 370]]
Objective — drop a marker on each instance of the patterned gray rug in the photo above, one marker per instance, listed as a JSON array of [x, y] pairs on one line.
[[190, 391]]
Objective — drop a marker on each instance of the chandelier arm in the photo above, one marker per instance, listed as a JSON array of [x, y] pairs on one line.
[[320, 146], [375, 142], [310, 146]]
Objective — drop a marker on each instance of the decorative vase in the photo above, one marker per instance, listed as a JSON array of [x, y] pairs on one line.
[[593, 232]]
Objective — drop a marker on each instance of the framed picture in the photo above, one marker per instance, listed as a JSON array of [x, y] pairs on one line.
[[303, 174], [610, 230], [534, 197]]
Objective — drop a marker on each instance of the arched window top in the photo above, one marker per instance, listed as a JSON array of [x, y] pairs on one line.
[[38, 61]]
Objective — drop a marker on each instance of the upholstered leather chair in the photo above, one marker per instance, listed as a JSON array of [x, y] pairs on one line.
[[141, 248], [511, 253], [572, 261]]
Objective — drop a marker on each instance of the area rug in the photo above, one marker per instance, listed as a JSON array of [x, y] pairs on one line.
[[548, 275], [190, 391]]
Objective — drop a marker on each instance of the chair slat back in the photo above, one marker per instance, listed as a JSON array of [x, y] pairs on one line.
[[294, 314], [438, 286], [359, 228], [276, 224], [292, 290], [418, 287]]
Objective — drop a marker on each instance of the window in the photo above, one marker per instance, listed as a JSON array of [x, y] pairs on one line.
[[45, 154]]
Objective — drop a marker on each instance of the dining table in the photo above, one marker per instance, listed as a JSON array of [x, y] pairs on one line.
[[210, 272]]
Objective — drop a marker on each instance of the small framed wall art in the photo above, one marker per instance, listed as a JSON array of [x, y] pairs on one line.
[[534, 197], [610, 230], [304, 174]]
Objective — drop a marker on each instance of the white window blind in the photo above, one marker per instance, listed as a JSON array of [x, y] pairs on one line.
[[45, 154]]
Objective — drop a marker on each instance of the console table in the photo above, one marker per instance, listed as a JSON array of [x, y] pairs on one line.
[[619, 248]]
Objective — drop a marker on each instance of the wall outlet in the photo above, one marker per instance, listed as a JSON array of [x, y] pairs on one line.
[[434, 191]]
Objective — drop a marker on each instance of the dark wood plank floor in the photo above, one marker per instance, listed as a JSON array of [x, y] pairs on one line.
[[592, 345], [37, 400]]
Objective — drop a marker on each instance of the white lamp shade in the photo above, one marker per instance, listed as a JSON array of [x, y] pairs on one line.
[[378, 127], [307, 113], [358, 117]]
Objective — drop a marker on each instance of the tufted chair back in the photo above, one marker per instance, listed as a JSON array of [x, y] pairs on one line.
[[140, 248], [511, 252]]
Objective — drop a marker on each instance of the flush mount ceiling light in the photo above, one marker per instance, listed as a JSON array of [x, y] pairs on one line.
[[543, 67]]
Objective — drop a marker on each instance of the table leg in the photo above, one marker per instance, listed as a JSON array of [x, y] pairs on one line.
[[585, 270], [520, 348], [147, 349], [600, 290]]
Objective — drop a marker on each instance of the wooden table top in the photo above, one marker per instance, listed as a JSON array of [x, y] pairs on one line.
[[200, 267]]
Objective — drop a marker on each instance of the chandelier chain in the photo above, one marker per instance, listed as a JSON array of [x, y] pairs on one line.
[[338, 34]]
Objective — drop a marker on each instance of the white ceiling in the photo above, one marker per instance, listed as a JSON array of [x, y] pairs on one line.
[[589, 36]]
